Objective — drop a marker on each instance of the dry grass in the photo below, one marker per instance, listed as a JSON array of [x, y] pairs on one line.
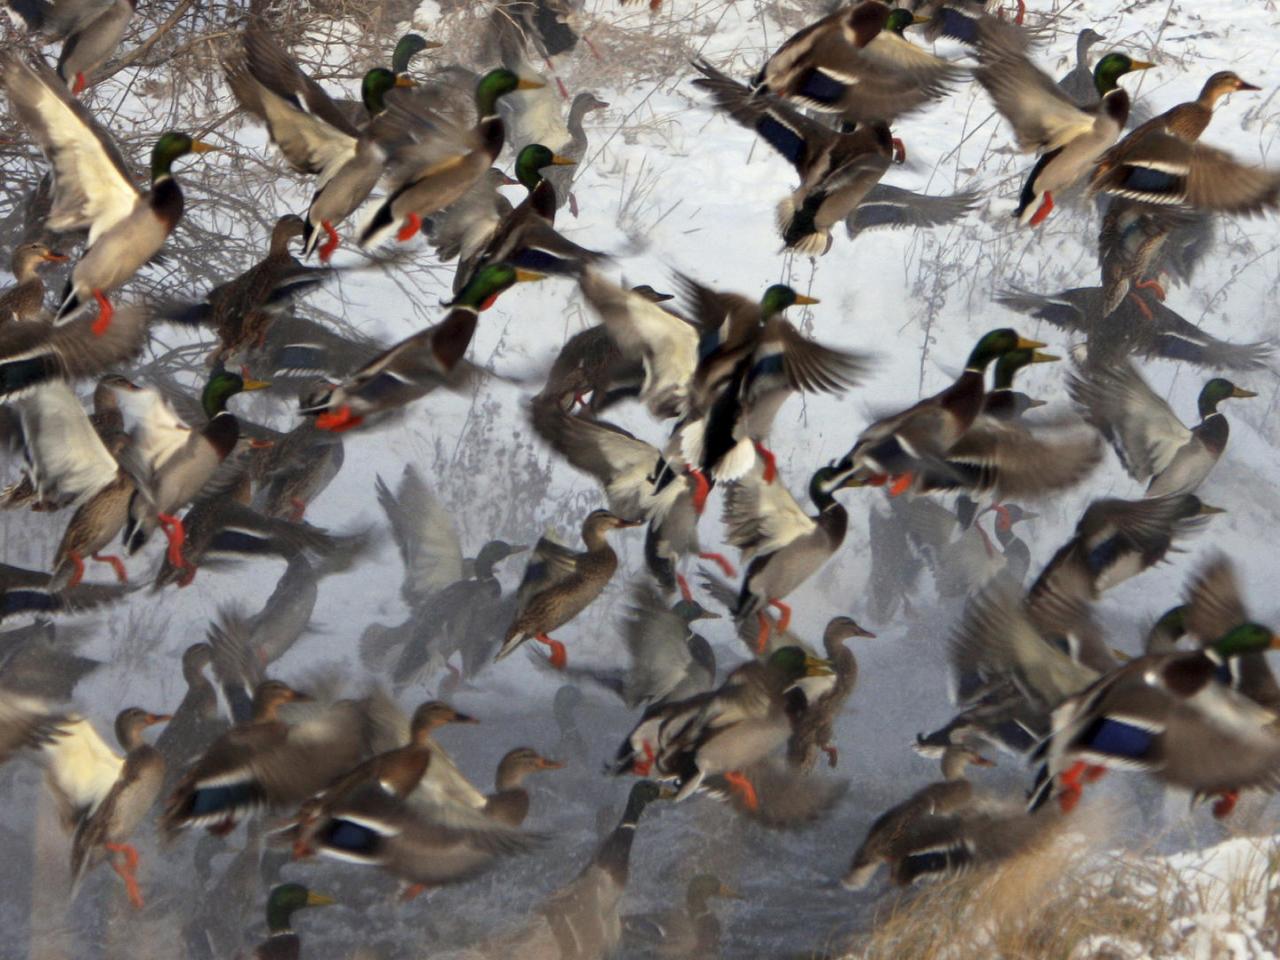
[[1113, 905]]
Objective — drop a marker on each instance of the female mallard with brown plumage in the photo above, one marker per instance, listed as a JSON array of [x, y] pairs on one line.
[[560, 583]]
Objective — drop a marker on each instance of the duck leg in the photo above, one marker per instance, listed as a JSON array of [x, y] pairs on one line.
[[564, 91], [1046, 208], [77, 571], [78, 86], [1069, 780], [833, 755], [105, 313], [1141, 305], [412, 224], [299, 509], [785, 610], [642, 768], [899, 151], [128, 871], [683, 584], [412, 891], [330, 245], [1154, 285], [1225, 804], [762, 639], [770, 461], [338, 421], [900, 484], [176, 534], [701, 490], [117, 565], [739, 784], [559, 659], [719, 560]]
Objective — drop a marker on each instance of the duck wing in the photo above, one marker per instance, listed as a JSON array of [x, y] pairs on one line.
[[92, 188]]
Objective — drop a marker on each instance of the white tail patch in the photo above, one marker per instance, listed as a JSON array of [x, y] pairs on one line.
[[738, 462]]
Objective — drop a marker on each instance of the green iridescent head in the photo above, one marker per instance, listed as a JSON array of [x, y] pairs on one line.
[[172, 145], [1012, 361], [489, 282], [996, 344], [531, 160], [224, 385], [792, 663], [288, 897], [498, 83], [899, 19], [1217, 390], [1246, 638], [779, 297], [1110, 68], [408, 47], [375, 86]]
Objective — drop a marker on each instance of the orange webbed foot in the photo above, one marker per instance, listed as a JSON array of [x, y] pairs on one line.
[[1225, 804], [1156, 288], [412, 224], [176, 534], [739, 784], [1046, 208], [901, 484], [785, 610], [762, 639], [329, 246], [105, 313], [122, 575], [833, 755], [559, 658], [719, 560], [683, 584], [701, 490], [412, 892], [77, 569], [770, 462], [338, 421], [642, 768]]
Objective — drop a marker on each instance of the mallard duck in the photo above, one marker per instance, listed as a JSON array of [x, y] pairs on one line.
[[836, 169], [1002, 402], [723, 731], [645, 333], [402, 54], [1133, 233], [781, 544], [241, 310], [1118, 539], [387, 814], [693, 931], [416, 365], [102, 795], [221, 528], [29, 591], [1162, 169], [591, 371], [25, 299], [295, 470], [311, 131], [434, 171], [526, 237], [856, 63], [899, 446], [26, 723], [815, 728], [668, 661], [196, 723], [283, 902], [1167, 715], [509, 803], [944, 829], [751, 360], [90, 32], [1151, 442], [266, 761], [889, 207], [575, 148], [1045, 119], [582, 919], [560, 583], [176, 462], [40, 661], [627, 467], [1078, 83], [1214, 607], [1129, 331], [94, 190]]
